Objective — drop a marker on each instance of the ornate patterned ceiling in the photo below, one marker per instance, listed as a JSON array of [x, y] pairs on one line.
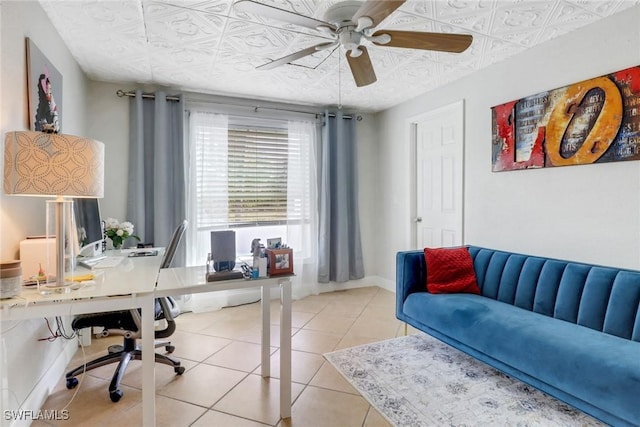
[[208, 47]]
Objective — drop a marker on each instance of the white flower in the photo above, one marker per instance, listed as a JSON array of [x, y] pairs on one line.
[[111, 223], [119, 232]]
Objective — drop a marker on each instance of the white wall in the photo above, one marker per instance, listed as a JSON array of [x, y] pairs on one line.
[[25, 362], [588, 213], [22, 216], [109, 123]]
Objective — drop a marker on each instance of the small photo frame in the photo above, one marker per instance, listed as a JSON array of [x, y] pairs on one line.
[[274, 243], [280, 261]]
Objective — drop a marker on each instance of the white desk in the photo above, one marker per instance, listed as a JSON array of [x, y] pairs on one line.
[[130, 285], [131, 279], [191, 280]]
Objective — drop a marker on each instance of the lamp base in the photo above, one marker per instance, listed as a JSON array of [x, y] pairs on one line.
[[61, 224]]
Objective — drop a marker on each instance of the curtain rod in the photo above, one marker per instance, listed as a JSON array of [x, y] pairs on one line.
[[122, 93]]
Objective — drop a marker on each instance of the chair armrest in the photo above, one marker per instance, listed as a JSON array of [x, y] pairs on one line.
[[166, 314]]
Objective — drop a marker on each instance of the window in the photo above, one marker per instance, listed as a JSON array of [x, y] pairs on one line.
[[243, 172], [256, 176], [257, 171]]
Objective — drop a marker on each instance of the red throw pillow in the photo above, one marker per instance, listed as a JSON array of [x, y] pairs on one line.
[[450, 270]]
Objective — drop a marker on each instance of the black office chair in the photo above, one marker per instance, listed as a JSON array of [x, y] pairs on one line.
[[128, 324]]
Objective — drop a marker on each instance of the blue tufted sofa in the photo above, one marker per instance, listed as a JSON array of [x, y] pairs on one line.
[[571, 330]]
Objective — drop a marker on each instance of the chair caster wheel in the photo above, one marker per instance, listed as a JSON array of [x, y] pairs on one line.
[[115, 395], [72, 383], [179, 370], [170, 348]]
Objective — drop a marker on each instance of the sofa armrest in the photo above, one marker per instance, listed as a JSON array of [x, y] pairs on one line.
[[411, 274]]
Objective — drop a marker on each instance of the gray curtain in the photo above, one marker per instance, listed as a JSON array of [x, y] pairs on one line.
[[156, 202], [339, 249]]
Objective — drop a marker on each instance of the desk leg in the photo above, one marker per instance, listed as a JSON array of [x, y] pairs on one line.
[[265, 365], [148, 363], [285, 348]]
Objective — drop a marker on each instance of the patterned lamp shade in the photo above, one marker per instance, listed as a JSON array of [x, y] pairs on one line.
[[47, 164]]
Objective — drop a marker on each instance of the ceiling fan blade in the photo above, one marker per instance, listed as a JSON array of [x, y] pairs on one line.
[[428, 41], [361, 68], [267, 11], [377, 10], [297, 55]]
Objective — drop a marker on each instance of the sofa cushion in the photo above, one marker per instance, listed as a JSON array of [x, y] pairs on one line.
[[606, 299], [450, 270], [623, 308], [598, 368]]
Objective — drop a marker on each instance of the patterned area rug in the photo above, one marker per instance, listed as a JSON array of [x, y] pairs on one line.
[[419, 381]]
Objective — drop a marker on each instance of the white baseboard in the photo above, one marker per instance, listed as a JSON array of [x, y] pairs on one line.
[[389, 285], [360, 283], [215, 300], [212, 301], [43, 388]]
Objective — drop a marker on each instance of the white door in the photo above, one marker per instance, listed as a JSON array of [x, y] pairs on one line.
[[439, 174]]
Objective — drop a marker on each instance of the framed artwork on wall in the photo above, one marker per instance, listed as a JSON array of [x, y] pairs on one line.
[[588, 122], [44, 84]]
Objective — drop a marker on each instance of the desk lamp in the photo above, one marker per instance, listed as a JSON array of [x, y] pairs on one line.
[[54, 165]]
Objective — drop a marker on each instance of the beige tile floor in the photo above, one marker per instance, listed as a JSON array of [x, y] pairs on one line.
[[222, 385]]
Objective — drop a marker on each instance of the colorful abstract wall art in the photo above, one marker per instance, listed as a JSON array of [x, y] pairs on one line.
[[593, 121]]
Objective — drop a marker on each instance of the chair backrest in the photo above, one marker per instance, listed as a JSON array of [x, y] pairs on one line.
[[170, 252], [166, 307]]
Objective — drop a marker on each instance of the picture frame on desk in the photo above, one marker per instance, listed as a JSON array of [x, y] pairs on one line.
[[280, 261]]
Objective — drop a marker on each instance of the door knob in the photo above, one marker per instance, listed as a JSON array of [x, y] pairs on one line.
[[418, 219]]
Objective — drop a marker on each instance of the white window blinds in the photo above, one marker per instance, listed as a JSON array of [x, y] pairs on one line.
[[257, 171], [244, 171]]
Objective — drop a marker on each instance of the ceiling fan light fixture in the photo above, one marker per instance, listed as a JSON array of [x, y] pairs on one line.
[[349, 38], [379, 39], [355, 52], [364, 22]]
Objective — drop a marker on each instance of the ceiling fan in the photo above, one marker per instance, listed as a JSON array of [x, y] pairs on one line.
[[348, 23]]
